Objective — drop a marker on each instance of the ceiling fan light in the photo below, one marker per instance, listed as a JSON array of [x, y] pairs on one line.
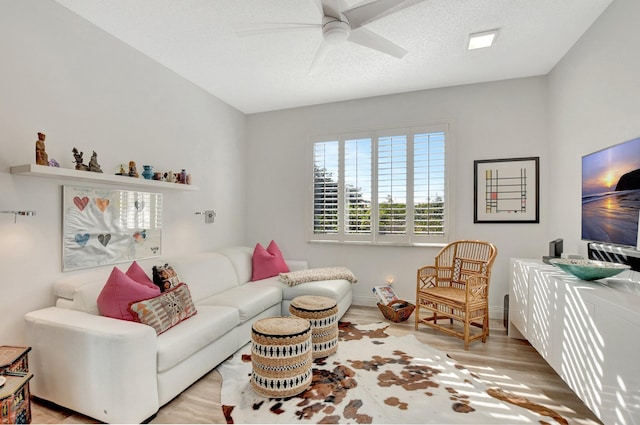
[[481, 40], [335, 31]]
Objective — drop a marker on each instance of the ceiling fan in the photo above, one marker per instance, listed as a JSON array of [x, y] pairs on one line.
[[340, 25]]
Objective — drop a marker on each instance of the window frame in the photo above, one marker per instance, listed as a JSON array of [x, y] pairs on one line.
[[409, 238]]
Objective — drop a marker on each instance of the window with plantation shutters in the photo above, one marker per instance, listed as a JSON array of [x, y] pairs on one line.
[[382, 187]]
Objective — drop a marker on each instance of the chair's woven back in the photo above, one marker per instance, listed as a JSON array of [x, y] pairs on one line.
[[456, 261]]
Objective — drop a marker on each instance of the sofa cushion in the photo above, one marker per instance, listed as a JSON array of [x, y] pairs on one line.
[[240, 257], [206, 274], [118, 292], [267, 262], [336, 289], [250, 299], [165, 310], [181, 341]]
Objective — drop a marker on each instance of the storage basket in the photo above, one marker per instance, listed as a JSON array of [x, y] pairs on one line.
[[397, 311]]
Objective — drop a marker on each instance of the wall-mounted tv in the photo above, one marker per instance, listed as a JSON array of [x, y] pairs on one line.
[[611, 194]]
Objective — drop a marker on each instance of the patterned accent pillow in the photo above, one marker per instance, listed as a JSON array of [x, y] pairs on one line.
[[165, 277], [310, 275], [166, 310]]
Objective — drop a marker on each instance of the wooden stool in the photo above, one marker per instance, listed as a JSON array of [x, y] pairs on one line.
[[322, 313], [281, 356]]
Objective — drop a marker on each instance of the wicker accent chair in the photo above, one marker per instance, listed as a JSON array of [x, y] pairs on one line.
[[456, 287]]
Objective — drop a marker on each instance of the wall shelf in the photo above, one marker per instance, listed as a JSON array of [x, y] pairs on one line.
[[88, 176]]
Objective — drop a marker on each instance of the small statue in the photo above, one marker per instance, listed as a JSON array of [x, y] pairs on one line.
[[41, 156], [78, 160], [133, 172], [93, 163]]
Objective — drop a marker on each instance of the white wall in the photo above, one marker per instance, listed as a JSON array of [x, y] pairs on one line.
[[495, 120], [594, 103], [64, 77]]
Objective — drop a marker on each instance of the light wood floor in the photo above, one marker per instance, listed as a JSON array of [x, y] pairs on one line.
[[510, 364]]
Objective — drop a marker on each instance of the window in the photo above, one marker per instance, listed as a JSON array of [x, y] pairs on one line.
[[386, 186]]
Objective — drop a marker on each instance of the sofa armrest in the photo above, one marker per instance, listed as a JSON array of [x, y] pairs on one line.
[[102, 367], [295, 265]]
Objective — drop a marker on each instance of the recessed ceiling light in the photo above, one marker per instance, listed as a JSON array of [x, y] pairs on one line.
[[481, 40]]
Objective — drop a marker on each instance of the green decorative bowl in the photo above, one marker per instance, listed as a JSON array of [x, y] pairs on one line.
[[589, 269]]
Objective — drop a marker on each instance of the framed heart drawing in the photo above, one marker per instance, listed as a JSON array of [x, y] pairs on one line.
[[104, 226]]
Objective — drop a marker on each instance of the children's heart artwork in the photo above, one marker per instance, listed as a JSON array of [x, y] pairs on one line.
[[104, 239], [102, 203], [104, 226], [140, 236], [81, 203], [82, 239]]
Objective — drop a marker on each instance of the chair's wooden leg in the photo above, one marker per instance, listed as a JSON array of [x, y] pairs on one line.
[[466, 335], [417, 314], [486, 315], [485, 328]]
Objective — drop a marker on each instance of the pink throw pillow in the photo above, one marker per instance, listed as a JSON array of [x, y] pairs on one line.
[[136, 273], [267, 262], [120, 291]]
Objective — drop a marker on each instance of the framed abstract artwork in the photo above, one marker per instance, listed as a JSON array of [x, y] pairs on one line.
[[104, 226], [506, 190]]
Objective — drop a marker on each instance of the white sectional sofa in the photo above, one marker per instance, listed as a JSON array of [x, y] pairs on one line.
[[118, 371]]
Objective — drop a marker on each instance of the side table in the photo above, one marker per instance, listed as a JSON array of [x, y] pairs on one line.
[[14, 360], [15, 398]]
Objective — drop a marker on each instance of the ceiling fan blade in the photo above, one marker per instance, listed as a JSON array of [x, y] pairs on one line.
[[273, 27], [321, 53], [370, 39], [331, 8], [370, 12]]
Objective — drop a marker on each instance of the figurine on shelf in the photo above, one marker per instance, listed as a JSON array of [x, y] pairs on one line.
[[133, 172], [93, 163], [78, 160], [41, 156]]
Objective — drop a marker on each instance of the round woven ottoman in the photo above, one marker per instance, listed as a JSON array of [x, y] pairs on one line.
[[322, 313], [281, 356]]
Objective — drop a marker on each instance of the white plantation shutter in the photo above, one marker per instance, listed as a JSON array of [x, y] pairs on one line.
[[389, 187], [325, 187], [392, 185], [357, 178], [429, 181]]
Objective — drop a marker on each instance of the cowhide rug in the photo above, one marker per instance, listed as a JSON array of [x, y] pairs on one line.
[[378, 378]]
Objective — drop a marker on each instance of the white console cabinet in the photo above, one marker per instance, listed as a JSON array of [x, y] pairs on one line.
[[588, 332]]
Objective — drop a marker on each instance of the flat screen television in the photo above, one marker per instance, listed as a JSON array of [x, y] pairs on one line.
[[611, 194]]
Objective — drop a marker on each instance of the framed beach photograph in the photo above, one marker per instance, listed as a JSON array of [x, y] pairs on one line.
[[506, 190]]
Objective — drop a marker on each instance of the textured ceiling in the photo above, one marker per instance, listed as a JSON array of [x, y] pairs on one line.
[[200, 40]]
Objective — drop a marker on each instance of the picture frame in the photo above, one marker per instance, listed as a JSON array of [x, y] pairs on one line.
[[106, 226], [507, 190]]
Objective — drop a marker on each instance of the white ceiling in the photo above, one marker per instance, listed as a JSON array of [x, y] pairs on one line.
[[199, 40]]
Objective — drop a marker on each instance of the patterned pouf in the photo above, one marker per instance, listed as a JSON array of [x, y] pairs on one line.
[[322, 313], [281, 356]]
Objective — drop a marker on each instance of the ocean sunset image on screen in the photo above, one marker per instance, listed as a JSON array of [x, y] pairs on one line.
[[611, 194]]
